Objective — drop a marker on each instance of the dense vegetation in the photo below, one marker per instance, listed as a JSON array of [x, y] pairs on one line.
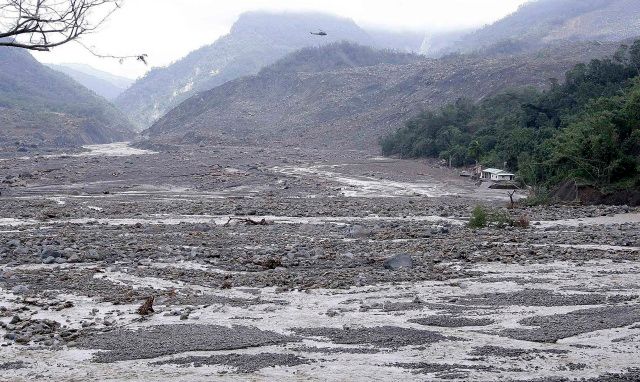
[[587, 128]]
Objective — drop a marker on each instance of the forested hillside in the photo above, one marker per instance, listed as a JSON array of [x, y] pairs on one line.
[[586, 129], [39, 105]]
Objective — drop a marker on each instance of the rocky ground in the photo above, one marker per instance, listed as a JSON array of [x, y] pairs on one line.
[[287, 264]]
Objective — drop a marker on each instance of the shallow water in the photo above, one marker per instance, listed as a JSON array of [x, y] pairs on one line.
[[118, 149], [231, 219], [610, 349], [368, 187], [600, 220]]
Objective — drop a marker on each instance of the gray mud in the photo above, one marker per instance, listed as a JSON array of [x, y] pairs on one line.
[[446, 371], [282, 264], [550, 329], [540, 297], [632, 375], [242, 363], [158, 341], [451, 321], [382, 336], [502, 352], [13, 365], [335, 350]]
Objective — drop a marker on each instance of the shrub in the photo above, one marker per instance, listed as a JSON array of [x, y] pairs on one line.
[[478, 218], [538, 197], [481, 218], [501, 219], [523, 222]]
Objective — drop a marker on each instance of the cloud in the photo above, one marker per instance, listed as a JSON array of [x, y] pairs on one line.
[[169, 29]]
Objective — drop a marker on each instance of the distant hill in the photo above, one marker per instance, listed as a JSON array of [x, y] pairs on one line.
[[39, 105], [539, 22], [336, 56], [355, 96], [256, 40], [406, 42], [102, 83]]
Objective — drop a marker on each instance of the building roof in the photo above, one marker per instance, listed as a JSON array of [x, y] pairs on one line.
[[497, 171]]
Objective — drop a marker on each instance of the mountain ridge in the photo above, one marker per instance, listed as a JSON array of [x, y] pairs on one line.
[[39, 105], [352, 107], [104, 84], [256, 40]]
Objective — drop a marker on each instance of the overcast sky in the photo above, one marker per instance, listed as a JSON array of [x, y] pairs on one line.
[[169, 29]]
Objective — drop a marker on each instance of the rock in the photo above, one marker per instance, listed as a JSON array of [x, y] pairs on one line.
[[21, 251], [94, 255], [347, 256], [333, 312], [360, 279], [403, 261], [73, 259], [50, 252], [23, 339], [318, 252], [20, 289], [358, 232], [49, 260]]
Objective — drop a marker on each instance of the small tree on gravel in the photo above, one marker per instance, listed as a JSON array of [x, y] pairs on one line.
[[478, 218]]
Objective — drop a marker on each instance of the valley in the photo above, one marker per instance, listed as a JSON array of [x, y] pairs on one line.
[[356, 191], [302, 253]]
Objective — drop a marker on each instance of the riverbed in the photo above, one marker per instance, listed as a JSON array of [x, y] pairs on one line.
[[286, 264]]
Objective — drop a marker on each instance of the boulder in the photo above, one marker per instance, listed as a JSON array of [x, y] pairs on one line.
[[402, 261], [50, 252]]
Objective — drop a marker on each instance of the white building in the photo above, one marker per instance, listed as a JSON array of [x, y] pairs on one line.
[[496, 174]]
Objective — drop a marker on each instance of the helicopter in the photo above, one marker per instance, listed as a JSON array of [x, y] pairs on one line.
[[319, 33]]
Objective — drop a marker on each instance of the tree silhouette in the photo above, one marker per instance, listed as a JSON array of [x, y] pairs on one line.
[[41, 25]]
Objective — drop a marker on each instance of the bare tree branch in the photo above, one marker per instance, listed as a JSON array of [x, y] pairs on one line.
[[41, 25]]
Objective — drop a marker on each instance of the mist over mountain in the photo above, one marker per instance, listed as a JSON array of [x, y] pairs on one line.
[[403, 41], [336, 56], [259, 39], [351, 106], [540, 22], [39, 105], [256, 40], [102, 83]]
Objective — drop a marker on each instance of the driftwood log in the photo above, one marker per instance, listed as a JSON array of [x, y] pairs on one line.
[[247, 221], [147, 307]]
